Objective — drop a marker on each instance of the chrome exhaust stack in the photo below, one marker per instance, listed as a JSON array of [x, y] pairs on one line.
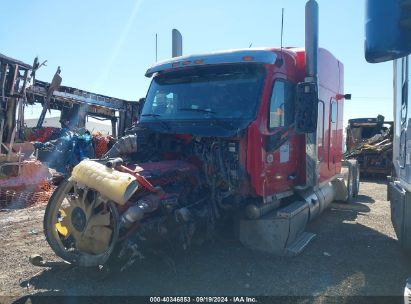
[[311, 80], [311, 40], [176, 44]]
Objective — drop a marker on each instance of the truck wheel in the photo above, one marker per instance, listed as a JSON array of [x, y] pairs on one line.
[[78, 230], [356, 177], [353, 180], [350, 186]]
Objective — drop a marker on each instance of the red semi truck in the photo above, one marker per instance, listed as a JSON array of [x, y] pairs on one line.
[[254, 134]]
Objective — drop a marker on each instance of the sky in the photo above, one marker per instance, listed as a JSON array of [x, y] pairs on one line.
[[105, 46]]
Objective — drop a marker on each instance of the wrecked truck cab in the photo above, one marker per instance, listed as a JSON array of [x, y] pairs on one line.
[[215, 139], [241, 95]]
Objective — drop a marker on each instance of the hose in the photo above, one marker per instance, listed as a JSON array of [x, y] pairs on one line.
[[125, 145]]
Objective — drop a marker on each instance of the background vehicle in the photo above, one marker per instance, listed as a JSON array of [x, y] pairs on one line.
[[388, 37], [254, 134], [369, 141]]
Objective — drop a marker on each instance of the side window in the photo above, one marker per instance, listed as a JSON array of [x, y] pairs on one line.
[[333, 113], [320, 130], [282, 101]]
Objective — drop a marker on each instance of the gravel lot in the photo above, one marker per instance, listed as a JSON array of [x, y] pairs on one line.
[[354, 253]]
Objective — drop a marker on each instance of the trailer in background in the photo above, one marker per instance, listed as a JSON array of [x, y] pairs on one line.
[[369, 141]]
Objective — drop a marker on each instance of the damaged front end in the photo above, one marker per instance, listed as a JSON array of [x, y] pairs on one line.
[[176, 194], [105, 202], [172, 179]]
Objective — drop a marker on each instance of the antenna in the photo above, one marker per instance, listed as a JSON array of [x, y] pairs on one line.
[[156, 47], [280, 61], [282, 28]]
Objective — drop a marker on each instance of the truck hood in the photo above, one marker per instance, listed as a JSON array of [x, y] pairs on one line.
[[203, 128]]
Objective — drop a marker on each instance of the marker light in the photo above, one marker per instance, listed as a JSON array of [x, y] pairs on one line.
[[248, 58]]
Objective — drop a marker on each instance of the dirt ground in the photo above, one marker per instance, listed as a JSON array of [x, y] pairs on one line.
[[354, 253]]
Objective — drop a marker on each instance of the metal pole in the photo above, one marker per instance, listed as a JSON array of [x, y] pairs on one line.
[[13, 134]]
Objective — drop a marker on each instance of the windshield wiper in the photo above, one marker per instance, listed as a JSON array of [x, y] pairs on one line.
[[151, 115], [226, 125], [197, 110], [156, 116]]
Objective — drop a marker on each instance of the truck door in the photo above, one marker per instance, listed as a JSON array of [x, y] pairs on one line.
[[280, 163], [333, 145]]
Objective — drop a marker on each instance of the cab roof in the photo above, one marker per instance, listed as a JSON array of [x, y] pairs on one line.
[[254, 55]]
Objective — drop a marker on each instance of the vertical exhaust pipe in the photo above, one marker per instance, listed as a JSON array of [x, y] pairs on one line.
[[177, 43], [311, 76], [311, 40]]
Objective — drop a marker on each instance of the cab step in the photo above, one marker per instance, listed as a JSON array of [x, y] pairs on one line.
[[299, 243]]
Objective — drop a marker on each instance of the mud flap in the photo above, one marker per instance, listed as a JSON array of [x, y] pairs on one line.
[[341, 191], [278, 230], [400, 201]]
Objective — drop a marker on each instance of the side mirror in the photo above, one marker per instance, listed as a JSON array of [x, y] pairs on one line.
[[306, 108], [141, 103], [387, 30]]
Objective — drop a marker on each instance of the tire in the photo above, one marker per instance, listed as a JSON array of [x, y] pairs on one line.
[[52, 236], [350, 186], [356, 177], [353, 180]]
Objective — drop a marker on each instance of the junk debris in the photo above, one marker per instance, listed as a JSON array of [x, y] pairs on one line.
[[101, 143], [24, 183], [64, 153], [42, 134], [28, 155], [369, 141]]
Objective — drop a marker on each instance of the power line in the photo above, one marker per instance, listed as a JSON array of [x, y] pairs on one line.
[[369, 97]]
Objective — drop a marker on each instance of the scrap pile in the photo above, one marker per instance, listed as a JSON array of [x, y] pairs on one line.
[[28, 154], [31, 180], [24, 183], [65, 152], [369, 141]]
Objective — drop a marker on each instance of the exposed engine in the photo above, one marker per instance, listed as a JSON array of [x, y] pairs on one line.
[[194, 179], [166, 188]]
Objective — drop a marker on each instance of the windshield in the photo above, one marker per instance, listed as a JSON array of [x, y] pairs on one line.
[[219, 92]]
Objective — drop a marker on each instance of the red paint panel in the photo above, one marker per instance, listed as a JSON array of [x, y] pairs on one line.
[[268, 175]]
